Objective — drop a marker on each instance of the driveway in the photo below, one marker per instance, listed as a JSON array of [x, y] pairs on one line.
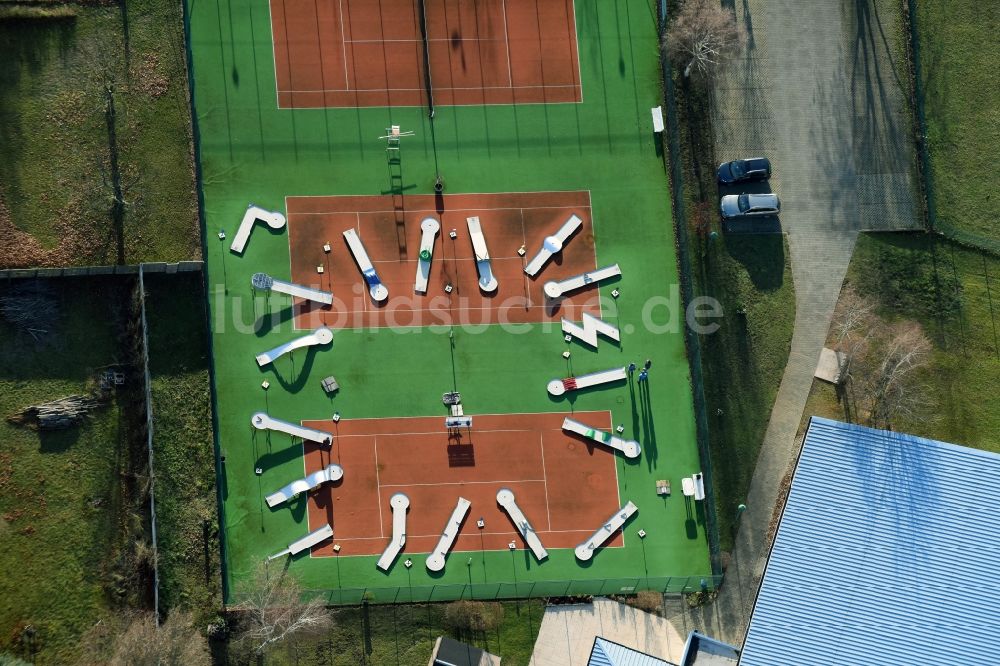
[[819, 90]]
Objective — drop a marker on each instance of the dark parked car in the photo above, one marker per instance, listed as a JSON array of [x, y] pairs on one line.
[[739, 171], [742, 205]]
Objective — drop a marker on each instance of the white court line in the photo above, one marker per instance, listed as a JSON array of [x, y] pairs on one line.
[[456, 483], [506, 40], [561, 414], [496, 550], [343, 41], [378, 485], [541, 446], [419, 210], [436, 87]]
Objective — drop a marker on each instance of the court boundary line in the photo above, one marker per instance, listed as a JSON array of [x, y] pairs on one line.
[[379, 485], [278, 91], [589, 207]]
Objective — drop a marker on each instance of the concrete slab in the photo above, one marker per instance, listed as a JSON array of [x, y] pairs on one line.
[[567, 633]]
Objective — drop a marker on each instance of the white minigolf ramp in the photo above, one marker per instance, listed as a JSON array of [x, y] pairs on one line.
[[429, 228], [558, 387], [556, 289], [399, 503], [308, 541], [378, 291], [505, 498], [262, 421], [321, 336], [487, 281], [553, 244], [329, 473], [273, 219], [586, 550], [629, 448], [435, 561], [265, 282]]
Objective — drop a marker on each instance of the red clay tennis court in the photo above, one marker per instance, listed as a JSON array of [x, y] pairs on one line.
[[359, 53], [566, 486], [392, 239]]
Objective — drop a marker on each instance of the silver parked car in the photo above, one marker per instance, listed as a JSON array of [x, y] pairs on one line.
[[742, 205]]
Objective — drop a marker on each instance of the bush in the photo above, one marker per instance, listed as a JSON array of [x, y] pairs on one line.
[[473, 615], [650, 601]]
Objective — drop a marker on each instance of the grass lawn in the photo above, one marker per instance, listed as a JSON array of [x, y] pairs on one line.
[[404, 636], [953, 292], [959, 58], [750, 275], [252, 151], [183, 448], [743, 361], [56, 177], [59, 491]]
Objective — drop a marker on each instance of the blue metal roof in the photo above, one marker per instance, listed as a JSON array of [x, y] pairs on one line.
[[888, 552], [609, 653]]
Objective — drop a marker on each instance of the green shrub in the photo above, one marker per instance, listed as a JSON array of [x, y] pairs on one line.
[[473, 615]]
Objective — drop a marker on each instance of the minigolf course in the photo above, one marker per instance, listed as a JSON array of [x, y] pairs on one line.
[[549, 149], [317, 536], [586, 550], [321, 336], [273, 219], [379, 292], [557, 288], [505, 498], [399, 504], [558, 387], [265, 282], [429, 228], [330, 473], [262, 421], [630, 448], [487, 280], [435, 561], [552, 245]]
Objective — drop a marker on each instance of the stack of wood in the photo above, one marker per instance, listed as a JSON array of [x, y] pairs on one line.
[[58, 414]]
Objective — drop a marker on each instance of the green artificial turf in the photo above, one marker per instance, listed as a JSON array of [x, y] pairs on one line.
[[59, 490], [56, 177], [959, 57], [252, 152]]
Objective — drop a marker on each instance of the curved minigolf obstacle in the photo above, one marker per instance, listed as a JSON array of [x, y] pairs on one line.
[[329, 473], [321, 336]]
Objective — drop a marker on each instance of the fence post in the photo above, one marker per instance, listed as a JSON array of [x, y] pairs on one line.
[[147, 386]]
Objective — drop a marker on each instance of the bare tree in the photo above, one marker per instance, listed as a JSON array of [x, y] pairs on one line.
[[889, 388], [703, 35], [273, 609]]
